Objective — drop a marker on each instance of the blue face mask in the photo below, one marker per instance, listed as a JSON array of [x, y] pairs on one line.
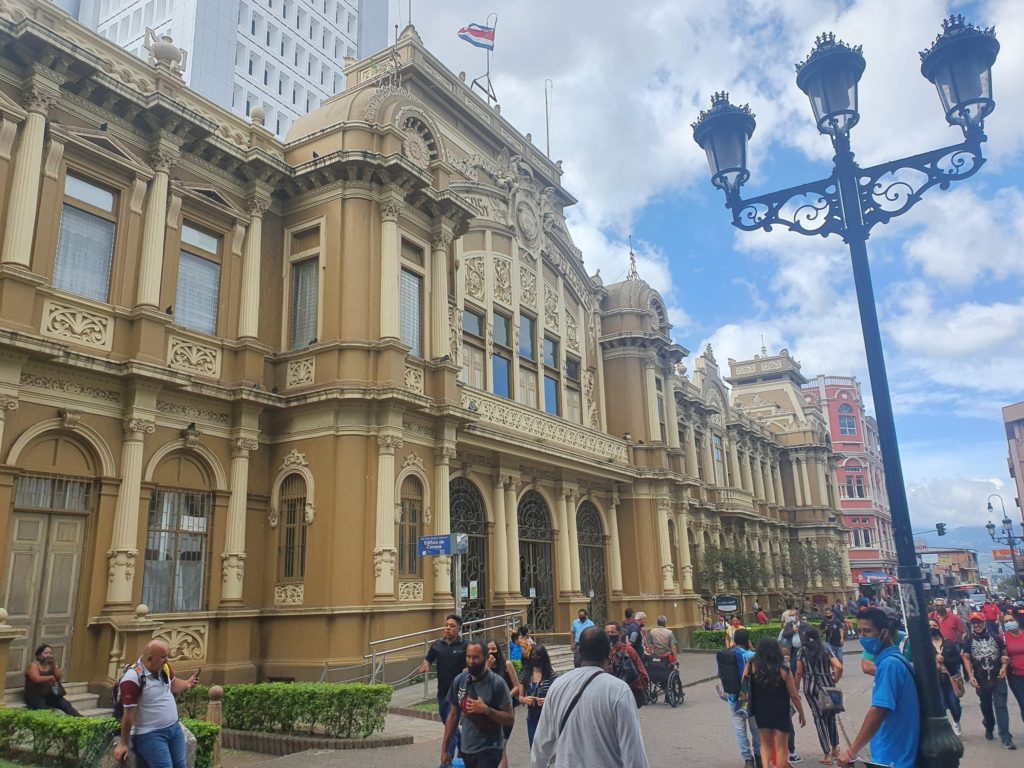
[[871, 644], [1011, 626]]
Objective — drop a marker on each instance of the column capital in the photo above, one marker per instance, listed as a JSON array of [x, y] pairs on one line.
[[445, 454], [257, 204], [42, 91], [164, 154], [389, 443], [243, 445], [7, 403], [135, 428], [440, 240], [391, 208], [650, 361]]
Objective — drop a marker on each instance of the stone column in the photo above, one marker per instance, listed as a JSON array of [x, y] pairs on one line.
[[768, 481], [747, 469], [384, 543], [574, 548], [122, 553], [614, 552], [233, 559], [822, 481], [806, 481], [23, 202], [651, 385], [668, 581], [7, 403], [564, 567], [691, 451], [442, 517], [734, 463], [512, 526], [249, 309], [758, 472], [847, 570], [780, 494], [794, 464], [154, 225], [500, 548], [671, 415], [390, 267], [685, 562], [709, 459], [439, 344]]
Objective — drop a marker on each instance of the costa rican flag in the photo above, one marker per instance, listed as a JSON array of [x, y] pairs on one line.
[[478, 35]]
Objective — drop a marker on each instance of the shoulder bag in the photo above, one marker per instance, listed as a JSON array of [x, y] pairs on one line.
[[575, 700]]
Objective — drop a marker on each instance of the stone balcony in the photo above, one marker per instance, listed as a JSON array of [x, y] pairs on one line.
[[543, 430]]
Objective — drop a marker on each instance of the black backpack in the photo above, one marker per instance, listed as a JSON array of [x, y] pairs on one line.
[[729, 670], [141, 672], [624, 668]]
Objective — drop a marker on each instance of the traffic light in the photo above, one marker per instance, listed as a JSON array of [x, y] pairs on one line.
[[940, 528]]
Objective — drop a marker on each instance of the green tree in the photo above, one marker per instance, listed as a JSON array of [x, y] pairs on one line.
[[808, 564], [733, 569]]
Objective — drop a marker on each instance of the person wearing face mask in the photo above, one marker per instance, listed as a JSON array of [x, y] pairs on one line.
[[893, 723], [1014, 640], [481, 707], [951, 679], [950, 626], [986, 665]]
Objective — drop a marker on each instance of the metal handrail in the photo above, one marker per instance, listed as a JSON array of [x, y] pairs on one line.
[[465, 631]]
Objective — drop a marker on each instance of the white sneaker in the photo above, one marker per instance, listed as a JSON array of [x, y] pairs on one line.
[[957, 729]]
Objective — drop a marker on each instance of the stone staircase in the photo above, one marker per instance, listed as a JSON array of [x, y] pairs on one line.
[[561, 658], [77, 693]]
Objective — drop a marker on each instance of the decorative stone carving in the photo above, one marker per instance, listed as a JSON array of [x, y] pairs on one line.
[[191, 436], [528, 286], [443, 568], [415, 147], [475, 277], [588, 398], [185, 642], [69, 418], [192, 412], [164, 53], [294, 459], [69, 388], [309, 513], [412, 460], [572, 332], [389, 443], [232, 566], [709, 354], [441, 241], [384, 563], [301, 372], [39, 98], [273, 517], [410, 591], [7, 403], [455, 334], [390, 209], [78, 325], [414, 379], [445, 454], [503, 280], [121, 564], [139, 427], [244, 444], [550, 307], [289, 594], [188, 355]]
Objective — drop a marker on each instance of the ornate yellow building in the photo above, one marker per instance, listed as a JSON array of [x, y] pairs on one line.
[[240, 377]]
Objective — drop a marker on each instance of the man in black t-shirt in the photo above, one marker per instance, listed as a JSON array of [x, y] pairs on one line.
[[832, 630], [985, 665], [449, 654]]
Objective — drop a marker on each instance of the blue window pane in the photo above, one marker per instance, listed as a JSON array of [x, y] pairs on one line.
[[502, 334], [551, 395], [501, 369], [550, 353], [527, 339]]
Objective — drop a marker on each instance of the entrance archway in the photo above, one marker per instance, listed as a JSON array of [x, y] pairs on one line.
[[468, 516], [536, 561], [593, 572]]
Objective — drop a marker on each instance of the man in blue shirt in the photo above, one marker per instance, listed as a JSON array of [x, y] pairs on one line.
[[893, 723], [583, 622]]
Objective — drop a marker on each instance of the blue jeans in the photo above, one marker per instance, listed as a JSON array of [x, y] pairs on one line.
[[164, 748], [993, 708], [838, 651], [949, 698], [749, 748], [532, 718], [443, 708], [1016, 683]]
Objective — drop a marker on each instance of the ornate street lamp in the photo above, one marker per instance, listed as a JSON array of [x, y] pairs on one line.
[[849, 203], [1007, 538]]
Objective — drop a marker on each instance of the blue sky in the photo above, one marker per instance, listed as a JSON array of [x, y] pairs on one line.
[[628, 81]]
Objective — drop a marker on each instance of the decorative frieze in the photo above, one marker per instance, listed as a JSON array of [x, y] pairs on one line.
[[69, 388], [384, 563], [410, 591], [185, 642], [572, 332], [528, 286], [550, 307], [289, 594], [503, 280], [455, 334], [475, 277], [192, 356], [192, 412], [69, 322], [414, 379], [301, 372]]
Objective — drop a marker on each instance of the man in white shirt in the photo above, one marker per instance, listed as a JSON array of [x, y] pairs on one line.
[[589, 716]]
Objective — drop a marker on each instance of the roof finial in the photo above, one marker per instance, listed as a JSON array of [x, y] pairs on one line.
[[764, 349], [632, 274]]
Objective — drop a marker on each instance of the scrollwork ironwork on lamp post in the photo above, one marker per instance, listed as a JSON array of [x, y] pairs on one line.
[[849, 203]]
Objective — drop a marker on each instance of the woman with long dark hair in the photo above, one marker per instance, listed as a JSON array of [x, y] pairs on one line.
[[535, 680], [951, 678], [506, 671], [818, 667], [772, 688]]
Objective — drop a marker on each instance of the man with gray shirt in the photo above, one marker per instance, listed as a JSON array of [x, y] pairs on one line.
[[480, 702], [589, 717]]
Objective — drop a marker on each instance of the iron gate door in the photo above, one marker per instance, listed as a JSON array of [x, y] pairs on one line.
[[468, 516], [536, 561], [593, 573]]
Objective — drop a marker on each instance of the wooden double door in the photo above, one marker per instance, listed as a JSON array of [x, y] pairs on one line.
[[44, 565]]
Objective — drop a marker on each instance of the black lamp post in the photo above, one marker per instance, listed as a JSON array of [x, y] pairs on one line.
[[1007, 538], [849, 203]]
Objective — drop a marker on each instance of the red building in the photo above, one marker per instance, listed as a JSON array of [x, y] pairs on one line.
[[860, 476]]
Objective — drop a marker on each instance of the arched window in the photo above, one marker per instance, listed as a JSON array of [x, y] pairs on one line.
[[292, 552], [410, 528], [847, 421], [177, 550]]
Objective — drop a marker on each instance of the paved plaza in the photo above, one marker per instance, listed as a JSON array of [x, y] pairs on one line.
[[699, 733]]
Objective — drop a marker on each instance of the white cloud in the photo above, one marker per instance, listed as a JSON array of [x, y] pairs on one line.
[[954, 500]]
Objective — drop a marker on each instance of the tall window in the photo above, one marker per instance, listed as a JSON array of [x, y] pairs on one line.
[[527, 361], [198, 290], [573, 403], [85, 247], [501, 359], [847, 421], [719, 462], [551, 377], [660, 387], [700, 457], [305, 298], [292, 553], [473, 348], [412, 312], [177, 550], [410, 528]]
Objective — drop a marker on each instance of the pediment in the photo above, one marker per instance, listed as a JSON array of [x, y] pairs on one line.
[[210, 195], [9, 106], [103, 144]]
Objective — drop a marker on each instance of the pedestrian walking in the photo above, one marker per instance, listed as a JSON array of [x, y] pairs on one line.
[[992, 615], [626, 663], [534, 682], [951, 679], [480, 707], [449, 655], [950, 626], [772, 689], [581, 622], [731, 664], [497, 663], [818, 669], [1013, 639], [892, 725], [986, 665], [589, 718], [833, 630]]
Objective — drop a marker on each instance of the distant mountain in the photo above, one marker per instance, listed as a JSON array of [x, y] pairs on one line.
[[966, 537]]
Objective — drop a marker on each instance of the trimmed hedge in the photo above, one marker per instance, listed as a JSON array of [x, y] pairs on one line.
[[714, 639], [192, 702], [52, 738], [341, 711]]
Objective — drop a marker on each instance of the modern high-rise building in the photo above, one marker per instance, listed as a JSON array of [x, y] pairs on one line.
[[862, 492], [285, 56]]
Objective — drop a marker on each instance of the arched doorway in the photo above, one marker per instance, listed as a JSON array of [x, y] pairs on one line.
[[536, 561], [468, 516], [593, 573]]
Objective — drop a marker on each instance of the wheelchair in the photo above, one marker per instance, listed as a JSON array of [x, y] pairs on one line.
[[663, 677]]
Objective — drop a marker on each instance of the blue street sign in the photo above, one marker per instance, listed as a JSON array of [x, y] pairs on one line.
[[431, 546]]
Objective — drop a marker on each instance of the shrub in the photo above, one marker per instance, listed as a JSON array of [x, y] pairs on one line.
[[192, 702], [206, 740], [338, 710], [715, 639]]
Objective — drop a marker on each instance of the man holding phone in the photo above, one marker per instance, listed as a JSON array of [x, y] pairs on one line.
[[150, 719], [480, 701]]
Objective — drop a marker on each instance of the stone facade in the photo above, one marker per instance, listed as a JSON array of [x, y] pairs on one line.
[[240, 377]]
